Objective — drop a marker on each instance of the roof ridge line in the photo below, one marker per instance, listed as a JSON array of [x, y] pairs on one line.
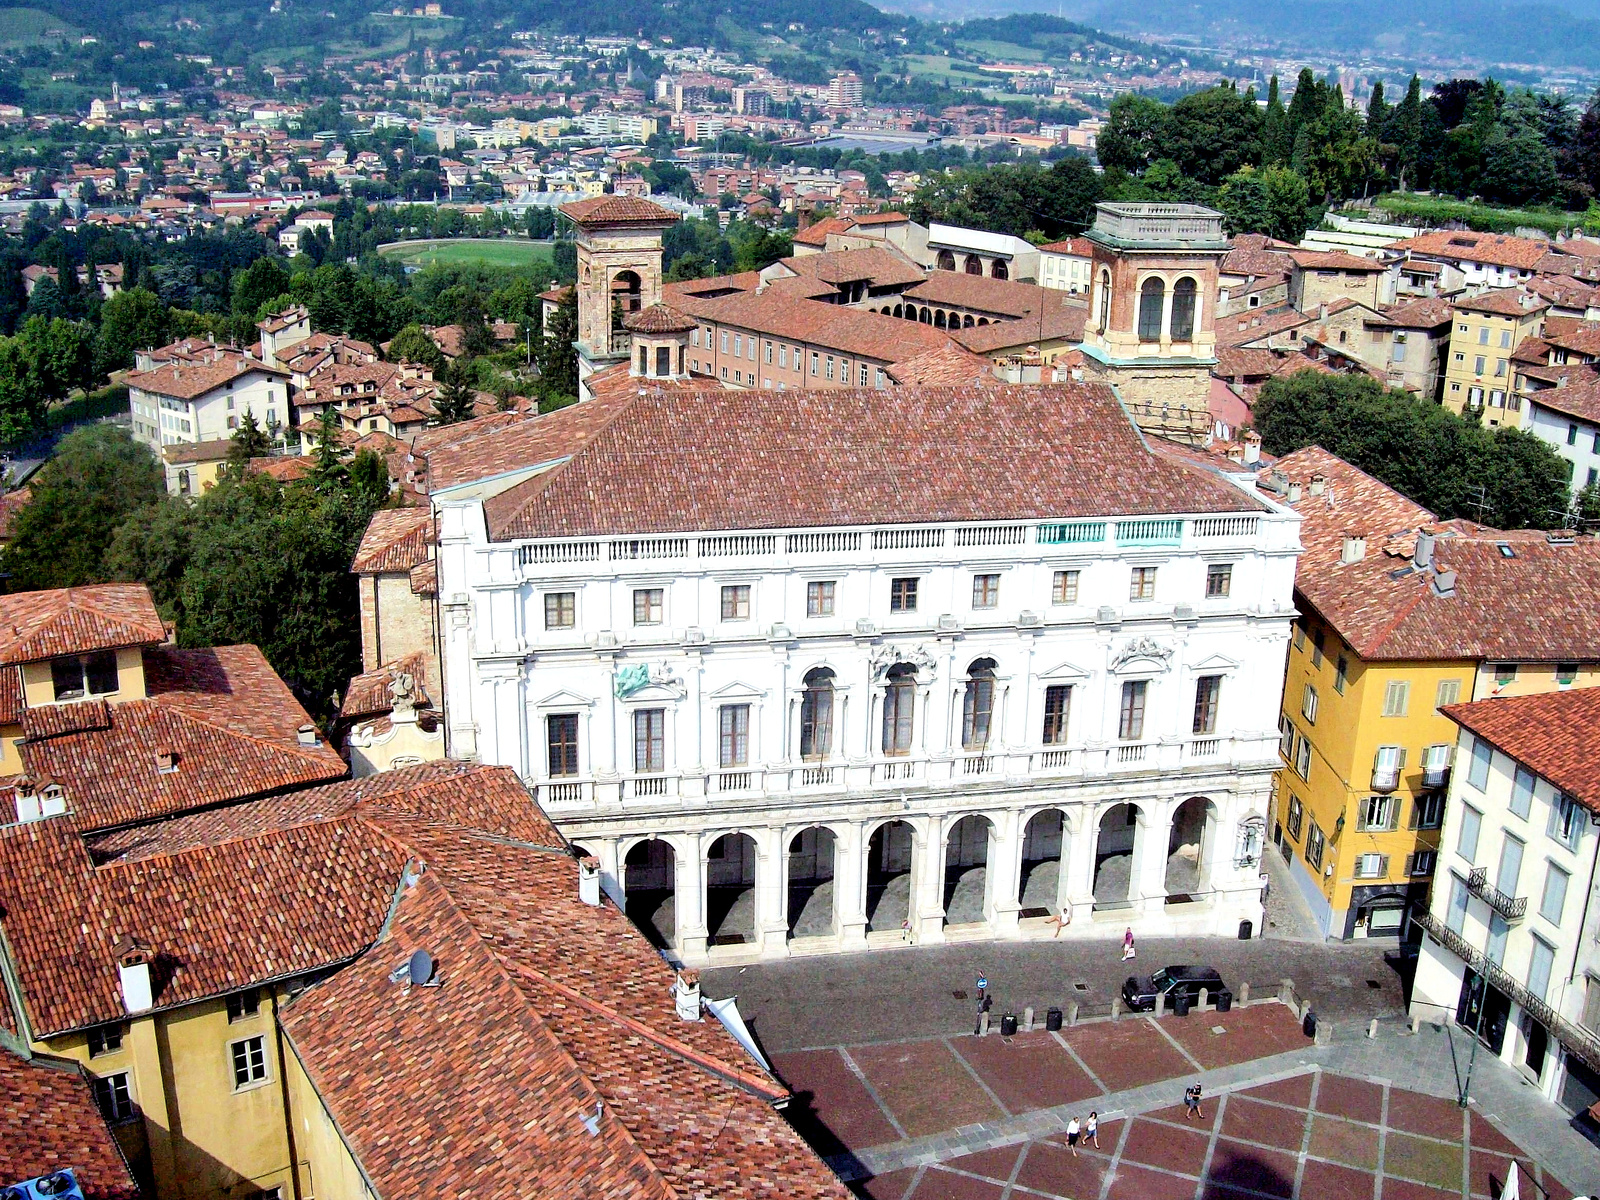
[[232, 839], [732, 1074]]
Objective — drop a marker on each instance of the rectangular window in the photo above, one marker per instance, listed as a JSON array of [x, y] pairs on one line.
[[1297, 812], [1540, 963], [1566, 673], [66, 677], [1314, 846], [766, 349], [1449, 692], [736, 602], [1302, 758], [1566, 821], [242, 1005], [1316, 649], [1371, 866], [1064, 588], [1522, 792], [1142, 584], [1286, 737], [1499, 930], [1505, 673], [819, 598], [560, 610], [903, 595], [105, 1039], [1207, 691], [1478, 768], [1456, 915], [562, 739], [1572, 435], [985, 591], [1477, 367], [100, 673], [1554, 897], [724, 341], [249, 1061], [1428, 811], [1300, 635], [861, 378], [1341, 674], [1308, 704], [734, 734], [649, 740], [1219, 580], [815, 359], [648, 605], [1057, 711], [1467, 840], [1130, 725], [111, 1094], [1422, 862], [828, 371], [1396, 698], [1378, 813], [783, 355]]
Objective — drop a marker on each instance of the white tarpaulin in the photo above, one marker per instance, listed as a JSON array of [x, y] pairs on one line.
[[727, 1011]]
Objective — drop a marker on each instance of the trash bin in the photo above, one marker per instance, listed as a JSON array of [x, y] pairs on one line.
[[1224, 1002], [1052, 1019], [1008, 1024], [1181, 1000], [1245, 930], [1309, 1025]]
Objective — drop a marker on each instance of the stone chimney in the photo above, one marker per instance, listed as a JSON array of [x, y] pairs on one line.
[[589, 880], [1354, 548], [686, 995], [1422, 556], [133, 961]]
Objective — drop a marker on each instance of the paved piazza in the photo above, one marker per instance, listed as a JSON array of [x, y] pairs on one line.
[[966, 1118]]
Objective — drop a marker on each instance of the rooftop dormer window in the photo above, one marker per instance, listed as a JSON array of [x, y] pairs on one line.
[[77, 676]]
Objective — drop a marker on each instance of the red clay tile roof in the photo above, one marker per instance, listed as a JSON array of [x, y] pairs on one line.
[[105, 616], [368, 693], [1062, 322], [1552, 734], [680, 461], [1080, 247], [1386, 609], [880, 218], [425, 578], [49, 1122], [658, 318], [851, 331], [1430, 312], [548, 1010], [187, 379], [231, 722], [998, 297], [506, 442], [1505, 302], [1579, 399], [817, 233], [944, 366], [396, 540], [1491, 249], [618, 210], [1335, 260], [884, 267], [277, 322]]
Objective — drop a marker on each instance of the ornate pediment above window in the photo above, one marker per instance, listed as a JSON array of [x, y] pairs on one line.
[[1142, 653], [885, 657]]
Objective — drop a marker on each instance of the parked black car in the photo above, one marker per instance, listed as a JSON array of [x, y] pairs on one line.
[[1139, 992]]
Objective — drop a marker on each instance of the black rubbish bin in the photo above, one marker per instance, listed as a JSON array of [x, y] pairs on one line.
[[1224, 1002], [1181, 1001], [1245, 930], [1309, 1025], [1052, 1019], [1008, 1024]]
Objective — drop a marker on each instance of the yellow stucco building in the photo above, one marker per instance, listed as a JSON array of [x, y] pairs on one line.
[[1479, 379], [1400, 615]]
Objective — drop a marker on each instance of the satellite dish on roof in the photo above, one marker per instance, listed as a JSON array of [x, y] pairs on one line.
[[421, 969]]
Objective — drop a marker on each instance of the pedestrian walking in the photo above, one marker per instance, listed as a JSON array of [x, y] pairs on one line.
[[1127, 945], [985, 1003], [1091, 1129], [1072, 1136], [1191, 1103]]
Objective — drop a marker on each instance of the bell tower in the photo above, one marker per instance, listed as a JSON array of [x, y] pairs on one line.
[[1151, 329], [619, 272]]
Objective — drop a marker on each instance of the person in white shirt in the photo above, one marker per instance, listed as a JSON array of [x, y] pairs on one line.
[[1072, 1136]]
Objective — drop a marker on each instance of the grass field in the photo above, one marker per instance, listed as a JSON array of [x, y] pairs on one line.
[[1487, 218], [23, 26], [488, 252]]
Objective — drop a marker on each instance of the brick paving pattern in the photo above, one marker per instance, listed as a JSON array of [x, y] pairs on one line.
[[981, 1119]]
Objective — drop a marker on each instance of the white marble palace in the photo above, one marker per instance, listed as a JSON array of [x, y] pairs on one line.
[[829, 670]]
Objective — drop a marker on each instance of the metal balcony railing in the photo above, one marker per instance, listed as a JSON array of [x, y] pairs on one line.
[[1512, 908], [1577, 1040]]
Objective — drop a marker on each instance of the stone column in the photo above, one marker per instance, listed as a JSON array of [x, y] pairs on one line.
[[850, 885], [689, 899], [927, 890], [1003, 873], [1076, 882], [1148, 887], [772, 893], [603, 733]]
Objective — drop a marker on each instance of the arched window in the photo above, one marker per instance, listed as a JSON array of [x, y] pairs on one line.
[[947, 261], [938, 319], [1150, 297], [1183, 297], [999, 270], [1105, 300], [977, 708], [626, 291], [816, 715], [899, 705], [974, 265]]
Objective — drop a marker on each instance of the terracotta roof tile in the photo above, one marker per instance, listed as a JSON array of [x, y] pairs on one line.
[[944, 366], [851, 331], [506, 442], [1552, 735], [49, 1122], [816, 234], [1491, 249], [396, 540], [680, 461], [106, 616], [658, 318], [883, 266], [187, 379], [618, 210], [1505, 302], [368, 693]]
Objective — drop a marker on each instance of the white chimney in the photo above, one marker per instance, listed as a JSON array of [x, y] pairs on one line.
[[1319, 483], [1423, 555], [307, 735], [133, 961], [1252, 449], [589, 880], [28, 808], [686, 995], [1294, 492], [1354, 550]]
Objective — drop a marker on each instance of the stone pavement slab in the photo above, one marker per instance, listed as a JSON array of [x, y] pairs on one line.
[[924, 1086], [1026, 1072]]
